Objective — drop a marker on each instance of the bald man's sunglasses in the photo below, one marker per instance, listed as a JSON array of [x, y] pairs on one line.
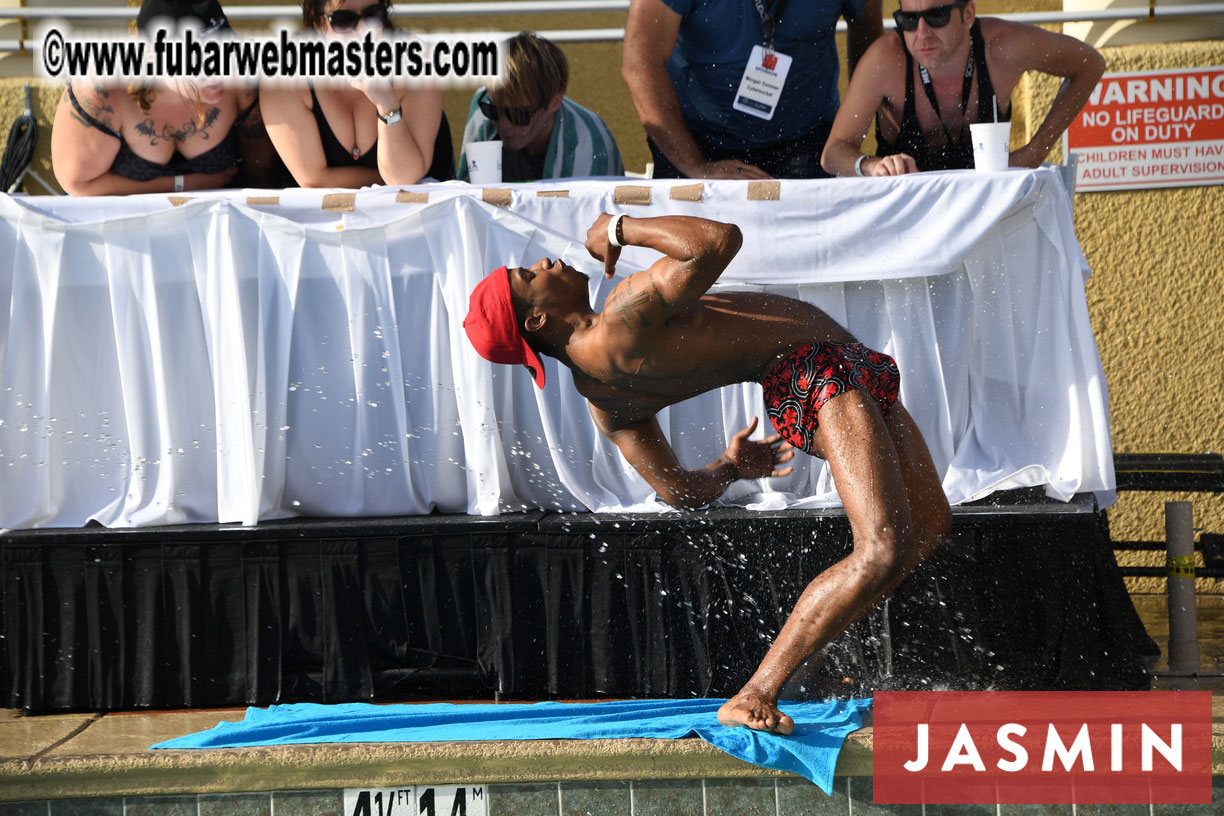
[[519, 117], [344, 21], [936, 17]]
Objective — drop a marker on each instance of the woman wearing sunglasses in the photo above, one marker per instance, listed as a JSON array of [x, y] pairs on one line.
[[360, 132], [946, 69]]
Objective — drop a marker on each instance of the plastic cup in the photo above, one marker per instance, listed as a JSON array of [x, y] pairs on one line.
[[484, 162], [991, 145]]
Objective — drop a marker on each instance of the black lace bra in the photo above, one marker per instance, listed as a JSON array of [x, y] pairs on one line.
[[127, 164]]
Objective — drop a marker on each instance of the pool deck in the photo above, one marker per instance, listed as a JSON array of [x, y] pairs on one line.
[[99, 755], [102, 762]]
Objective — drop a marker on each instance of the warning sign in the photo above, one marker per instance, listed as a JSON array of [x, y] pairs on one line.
[[1151, 129]]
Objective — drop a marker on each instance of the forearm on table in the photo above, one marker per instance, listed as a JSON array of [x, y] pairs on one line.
[[840, 156], [341, 177], [400, 159], [113, 184]]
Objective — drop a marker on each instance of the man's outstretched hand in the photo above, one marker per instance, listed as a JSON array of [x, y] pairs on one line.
[[759, 458], [600, 247]]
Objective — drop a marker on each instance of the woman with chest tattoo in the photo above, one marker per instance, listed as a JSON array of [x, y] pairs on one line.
[[168, 136]]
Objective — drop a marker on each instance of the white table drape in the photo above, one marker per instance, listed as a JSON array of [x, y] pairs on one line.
[[253, 355]]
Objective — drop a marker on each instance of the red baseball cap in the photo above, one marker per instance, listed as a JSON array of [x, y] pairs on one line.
[[493, 328]]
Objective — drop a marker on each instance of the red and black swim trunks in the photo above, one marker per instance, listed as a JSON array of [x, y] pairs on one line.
[[799, 385]]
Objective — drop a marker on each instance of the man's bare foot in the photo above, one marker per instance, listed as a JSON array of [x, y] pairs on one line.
[[754, 711]]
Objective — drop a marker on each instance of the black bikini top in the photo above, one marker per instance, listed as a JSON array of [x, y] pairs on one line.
[[442, 168], [127, 164], [955, 155], [334, 152]]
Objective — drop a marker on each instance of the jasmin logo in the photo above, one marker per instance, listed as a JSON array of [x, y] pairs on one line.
[[1042, 747]]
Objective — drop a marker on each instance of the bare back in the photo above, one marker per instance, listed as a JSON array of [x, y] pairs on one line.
[[631, 370]]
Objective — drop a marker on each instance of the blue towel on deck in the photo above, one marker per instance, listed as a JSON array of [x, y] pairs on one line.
[[811, 751]]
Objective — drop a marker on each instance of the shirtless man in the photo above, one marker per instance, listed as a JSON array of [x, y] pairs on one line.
[[943, 69], [661, 338]]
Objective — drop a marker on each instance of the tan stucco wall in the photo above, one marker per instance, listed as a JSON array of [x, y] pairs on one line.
[[1158, 310], [1158, 256]]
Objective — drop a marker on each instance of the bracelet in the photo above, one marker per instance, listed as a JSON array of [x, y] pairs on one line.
[[178, 184], [858, 165], [613, 228]]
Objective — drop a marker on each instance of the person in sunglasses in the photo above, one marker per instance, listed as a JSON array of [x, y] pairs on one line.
[[164, 135], [663, 337], [966, 67], [544, 133], [362, 132], [740, 89]]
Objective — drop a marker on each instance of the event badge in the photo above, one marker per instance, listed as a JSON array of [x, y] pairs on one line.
[[761, 87]]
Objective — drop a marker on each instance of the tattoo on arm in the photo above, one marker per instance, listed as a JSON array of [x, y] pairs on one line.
[[631, 305], [654, 286], [102, 114]]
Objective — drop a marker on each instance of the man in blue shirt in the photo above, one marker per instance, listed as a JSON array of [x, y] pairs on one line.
[[740, 88]]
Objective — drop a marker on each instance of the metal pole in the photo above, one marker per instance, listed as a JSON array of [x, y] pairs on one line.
[[1183, 615]]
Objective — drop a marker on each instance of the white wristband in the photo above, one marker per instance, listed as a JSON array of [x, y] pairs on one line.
[[178, 184], [858, 165], [612, 228]]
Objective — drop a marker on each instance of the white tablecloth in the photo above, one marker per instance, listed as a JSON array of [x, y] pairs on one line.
[[252, 355]]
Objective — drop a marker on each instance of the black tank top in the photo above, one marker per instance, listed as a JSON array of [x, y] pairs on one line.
[[956, 155], [127, 164], [442, 168]]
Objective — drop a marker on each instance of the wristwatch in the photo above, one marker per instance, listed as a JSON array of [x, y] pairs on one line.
[[392, 118]]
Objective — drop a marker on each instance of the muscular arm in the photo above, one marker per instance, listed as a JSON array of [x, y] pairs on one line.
[[696, 251], [650, 36], [645, 447], [1028, 48]]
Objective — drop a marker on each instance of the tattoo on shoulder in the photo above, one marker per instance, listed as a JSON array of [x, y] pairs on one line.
[[101, 113], [630, 306]]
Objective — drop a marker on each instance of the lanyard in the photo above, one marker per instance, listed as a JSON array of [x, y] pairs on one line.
[[968, 86], [769, 19]]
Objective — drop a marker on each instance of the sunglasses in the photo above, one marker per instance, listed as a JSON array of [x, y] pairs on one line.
[[343, 21], [519, 117], [936, 17]]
